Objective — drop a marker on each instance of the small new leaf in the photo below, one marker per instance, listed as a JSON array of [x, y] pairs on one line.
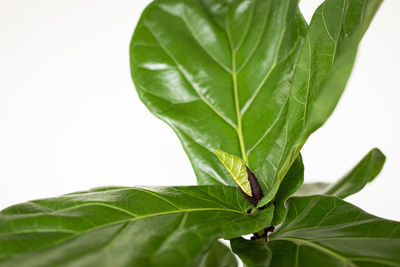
[[237, 169]]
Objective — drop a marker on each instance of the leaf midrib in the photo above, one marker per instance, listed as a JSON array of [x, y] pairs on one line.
[[130, 220], [124, 220], [239, 129]]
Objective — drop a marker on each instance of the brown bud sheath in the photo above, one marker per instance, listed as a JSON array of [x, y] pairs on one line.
[[249, 198], [256, 191]]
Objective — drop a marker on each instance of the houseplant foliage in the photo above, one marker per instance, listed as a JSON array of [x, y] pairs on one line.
[[243, 83]]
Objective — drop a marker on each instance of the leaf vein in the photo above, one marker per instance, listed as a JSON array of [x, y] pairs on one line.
[[227, 120], [212, 56]]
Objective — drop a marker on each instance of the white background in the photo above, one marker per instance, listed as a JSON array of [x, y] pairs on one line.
[[70, 118]]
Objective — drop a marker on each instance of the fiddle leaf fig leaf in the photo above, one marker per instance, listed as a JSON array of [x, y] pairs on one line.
[[250, 78], [218, 72], [237, 169], [160, 226], [325, 231], [364, 172]]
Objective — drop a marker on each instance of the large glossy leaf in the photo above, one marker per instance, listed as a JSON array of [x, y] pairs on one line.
[[325, 231], [218, 72], [322, 70], [364, 172], [245, 77], [166, 226]]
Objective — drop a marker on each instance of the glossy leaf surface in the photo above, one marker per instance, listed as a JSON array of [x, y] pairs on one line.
[[246, 77], [165, 226], [326, 231], [218, 72], [364, 172]]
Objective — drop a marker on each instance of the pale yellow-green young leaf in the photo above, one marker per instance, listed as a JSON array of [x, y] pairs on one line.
[[237, 168]]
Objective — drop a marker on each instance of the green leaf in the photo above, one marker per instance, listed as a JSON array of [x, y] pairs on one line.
[[218, 72], [364, 172], [292, 182], [326, 231], [246, 77], [330, 231], [164, 226], [237, 169], [218, 255], [328, 56], [323, 68]]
